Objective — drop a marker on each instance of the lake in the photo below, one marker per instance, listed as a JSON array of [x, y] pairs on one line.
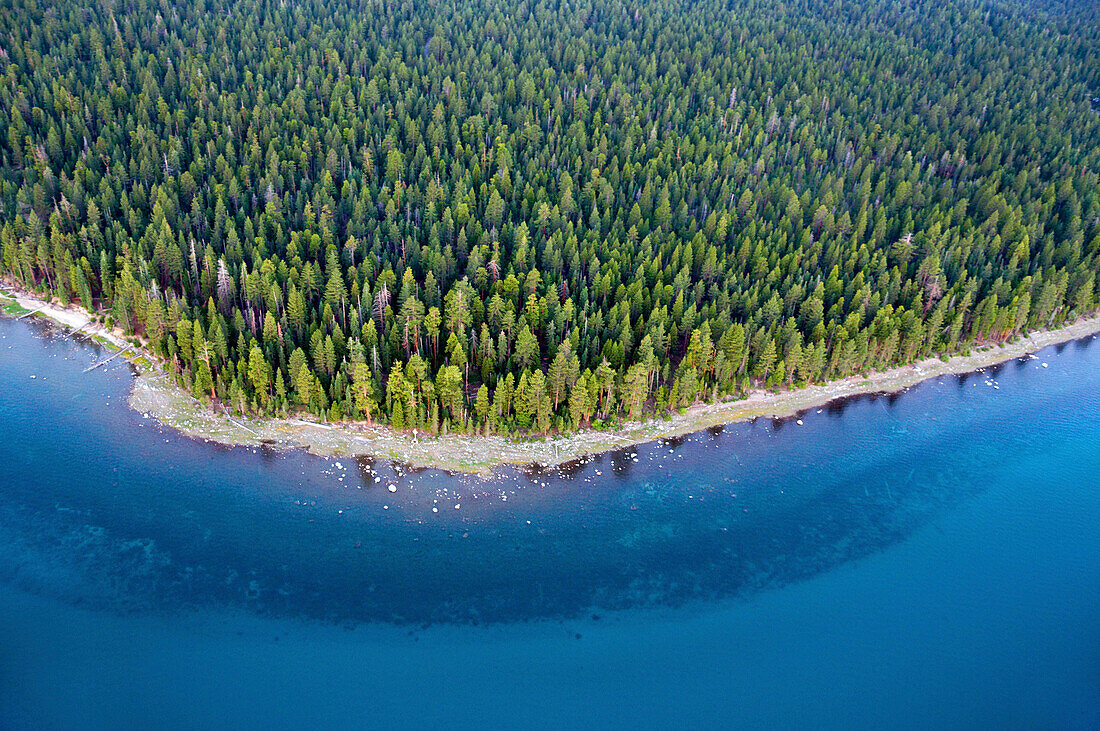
[[929, 558]]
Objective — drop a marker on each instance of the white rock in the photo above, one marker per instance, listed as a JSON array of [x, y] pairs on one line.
[[392, 488]]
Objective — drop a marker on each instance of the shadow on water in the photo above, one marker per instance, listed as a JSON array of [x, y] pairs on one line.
[[572, 469], [663, 524], [674, 442], [837, 406], [365, 464]]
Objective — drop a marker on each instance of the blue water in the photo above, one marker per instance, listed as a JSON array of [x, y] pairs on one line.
[[929, 558]]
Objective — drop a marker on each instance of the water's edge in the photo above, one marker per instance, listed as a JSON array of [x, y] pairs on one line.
[[727, 512], [153, 392]]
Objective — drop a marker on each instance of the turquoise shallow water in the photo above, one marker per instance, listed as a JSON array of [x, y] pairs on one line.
[[926, 558]]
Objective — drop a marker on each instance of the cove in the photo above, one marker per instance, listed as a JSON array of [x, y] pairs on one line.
[[925, 557]]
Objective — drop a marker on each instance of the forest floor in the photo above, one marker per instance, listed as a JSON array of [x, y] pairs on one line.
[[155, 394]]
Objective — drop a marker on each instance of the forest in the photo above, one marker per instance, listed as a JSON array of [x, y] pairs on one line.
[[539, 215]]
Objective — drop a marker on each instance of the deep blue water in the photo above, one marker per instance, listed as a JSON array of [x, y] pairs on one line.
[[928, 558]]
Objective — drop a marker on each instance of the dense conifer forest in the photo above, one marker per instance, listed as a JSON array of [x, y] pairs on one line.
[[532, 216]]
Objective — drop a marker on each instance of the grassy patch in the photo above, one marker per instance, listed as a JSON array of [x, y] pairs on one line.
[[13, 308], [142, 363]]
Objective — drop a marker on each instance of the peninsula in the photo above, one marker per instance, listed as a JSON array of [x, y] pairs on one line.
[[540, 225], [155, 394]]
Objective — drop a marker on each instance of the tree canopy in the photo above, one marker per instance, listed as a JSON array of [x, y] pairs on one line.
[[536, 215]]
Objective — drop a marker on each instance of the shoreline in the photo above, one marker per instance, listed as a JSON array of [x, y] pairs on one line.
[[74, 317], [154, 393]]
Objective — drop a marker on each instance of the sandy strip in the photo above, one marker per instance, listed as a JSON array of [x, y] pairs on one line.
[[74, 317], [154, 393]]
